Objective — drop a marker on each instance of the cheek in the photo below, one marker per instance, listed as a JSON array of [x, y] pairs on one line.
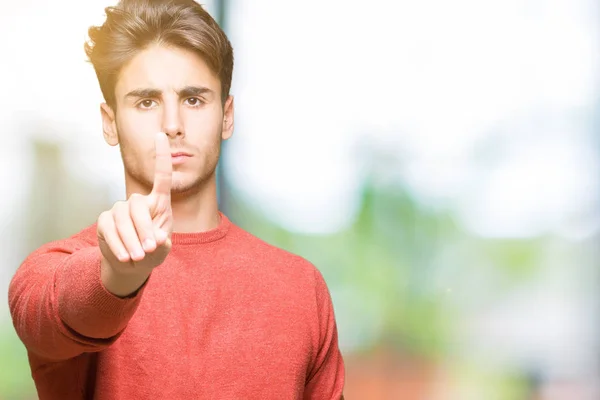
[[203, 129], [136, 126], [135, 141]]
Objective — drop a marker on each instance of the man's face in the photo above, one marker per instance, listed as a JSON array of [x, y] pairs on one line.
[[171, 90]]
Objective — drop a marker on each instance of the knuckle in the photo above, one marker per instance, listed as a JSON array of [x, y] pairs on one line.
[[101, 224], [117, 206], [102, 218], [120, 210], [105, 221], [135, 198], [137, 203]]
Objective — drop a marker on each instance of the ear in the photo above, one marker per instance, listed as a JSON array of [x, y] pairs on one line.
[[109, 125], [227, 118]]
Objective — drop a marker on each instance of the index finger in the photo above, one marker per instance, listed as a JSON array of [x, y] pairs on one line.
[[163, 169]]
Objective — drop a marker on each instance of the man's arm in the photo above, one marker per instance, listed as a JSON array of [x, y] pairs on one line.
[[59, 306], [326, 377], [67, 299]]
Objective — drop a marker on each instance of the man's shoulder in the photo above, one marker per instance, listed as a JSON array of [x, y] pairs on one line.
[[267, 253], [277, 269]]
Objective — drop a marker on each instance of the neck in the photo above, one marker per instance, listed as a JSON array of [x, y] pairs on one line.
[[197, 211], [193, 211]]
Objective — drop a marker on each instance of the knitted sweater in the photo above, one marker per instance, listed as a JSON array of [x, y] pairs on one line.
[[226, 316]]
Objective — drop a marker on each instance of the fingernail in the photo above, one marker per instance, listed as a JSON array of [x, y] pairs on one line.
[[161, 235], [149, 244], [137, 254]]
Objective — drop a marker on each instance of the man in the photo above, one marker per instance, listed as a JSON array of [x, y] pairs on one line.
[[164, 297]]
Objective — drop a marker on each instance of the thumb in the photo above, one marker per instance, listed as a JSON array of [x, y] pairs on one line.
[[162, 237]]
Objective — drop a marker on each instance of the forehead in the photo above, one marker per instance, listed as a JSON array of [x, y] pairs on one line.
[[167, 69]]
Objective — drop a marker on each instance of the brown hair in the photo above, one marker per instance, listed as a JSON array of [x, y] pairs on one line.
[[133, 25]]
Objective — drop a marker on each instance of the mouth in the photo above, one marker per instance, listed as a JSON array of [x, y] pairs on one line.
[[181, 154], [179, 157]]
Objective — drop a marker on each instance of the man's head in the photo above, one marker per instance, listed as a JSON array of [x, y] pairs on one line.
[[164, 66]]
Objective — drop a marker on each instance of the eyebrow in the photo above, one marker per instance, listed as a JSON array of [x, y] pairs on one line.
[[187, 91]]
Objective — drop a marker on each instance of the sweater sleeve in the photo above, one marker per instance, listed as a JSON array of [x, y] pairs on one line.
[[59, 306], [326, 377]]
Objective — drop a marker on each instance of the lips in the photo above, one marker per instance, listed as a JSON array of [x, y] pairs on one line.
[[181, 154], [179, 157]]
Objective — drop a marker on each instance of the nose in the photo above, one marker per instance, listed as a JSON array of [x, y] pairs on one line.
[[172, 123]]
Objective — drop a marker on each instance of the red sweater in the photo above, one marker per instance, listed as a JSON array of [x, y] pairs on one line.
[[226, 316]]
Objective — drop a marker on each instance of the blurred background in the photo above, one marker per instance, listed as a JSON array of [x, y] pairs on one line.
[[438, 161]]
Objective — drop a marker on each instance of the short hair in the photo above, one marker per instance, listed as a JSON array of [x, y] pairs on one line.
[[133, 25]]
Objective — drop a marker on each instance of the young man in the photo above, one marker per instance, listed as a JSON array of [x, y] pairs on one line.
[[164, 297]]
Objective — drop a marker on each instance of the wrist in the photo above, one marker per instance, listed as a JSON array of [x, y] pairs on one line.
[[121, 284]]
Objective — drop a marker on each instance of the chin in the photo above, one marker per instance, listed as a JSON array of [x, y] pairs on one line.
[[190, 186]]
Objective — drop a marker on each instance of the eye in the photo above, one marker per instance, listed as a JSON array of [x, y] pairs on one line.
[[194, 101], [146, 104]]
